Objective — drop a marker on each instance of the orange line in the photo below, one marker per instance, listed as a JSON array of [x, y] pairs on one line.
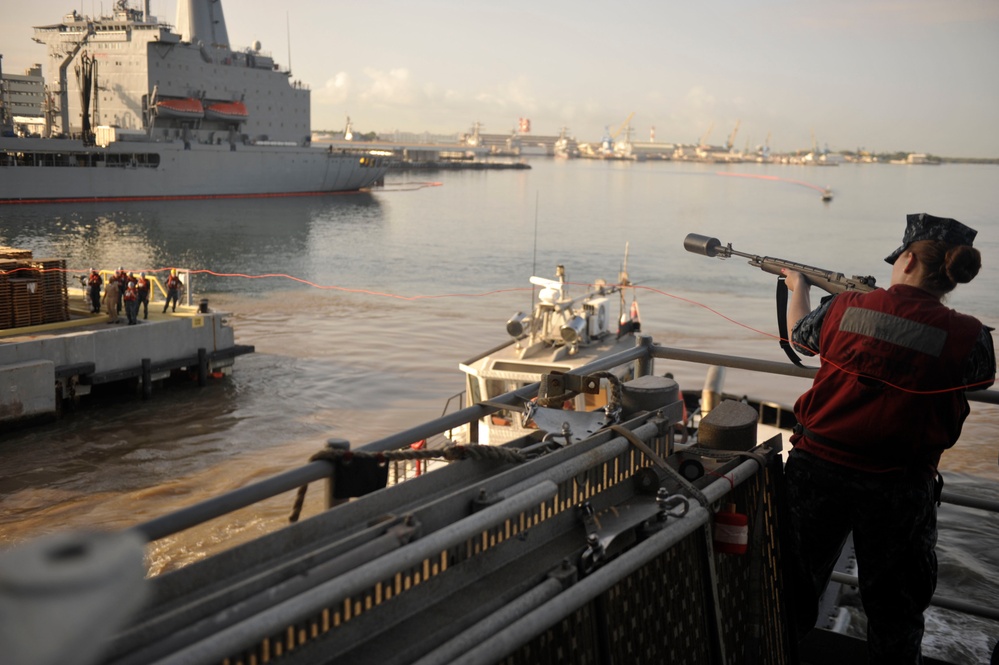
[[771, 177], [484, 294], [813, 351]]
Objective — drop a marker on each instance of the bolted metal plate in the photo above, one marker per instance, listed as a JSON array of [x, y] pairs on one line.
[[582, 424]]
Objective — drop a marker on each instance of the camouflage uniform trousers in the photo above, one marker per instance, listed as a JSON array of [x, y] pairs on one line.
[[893, 519]]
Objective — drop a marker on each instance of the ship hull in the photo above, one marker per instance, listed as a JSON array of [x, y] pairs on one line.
[[137, 170]]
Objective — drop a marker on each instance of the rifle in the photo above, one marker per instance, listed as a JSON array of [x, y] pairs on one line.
[[827, 280]]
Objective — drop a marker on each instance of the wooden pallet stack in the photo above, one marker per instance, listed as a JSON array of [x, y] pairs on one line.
[[55, 295], [32, 291]]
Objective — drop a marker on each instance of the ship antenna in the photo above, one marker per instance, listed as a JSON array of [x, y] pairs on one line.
[[287, 21]]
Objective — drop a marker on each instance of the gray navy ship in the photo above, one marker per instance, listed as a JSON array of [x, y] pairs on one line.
[[138, 109]]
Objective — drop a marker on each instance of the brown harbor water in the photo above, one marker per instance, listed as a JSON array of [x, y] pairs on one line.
[[393, 289]]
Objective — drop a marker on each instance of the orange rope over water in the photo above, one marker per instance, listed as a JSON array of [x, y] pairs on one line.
[[771, 177], [813, 351], [344, 289], [325, 287], [706, 307], [71, 271]]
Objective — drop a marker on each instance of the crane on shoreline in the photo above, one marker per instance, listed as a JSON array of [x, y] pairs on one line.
[[731, 138]]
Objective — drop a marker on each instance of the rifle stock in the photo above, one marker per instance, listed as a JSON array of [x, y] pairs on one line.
[[827, 280]]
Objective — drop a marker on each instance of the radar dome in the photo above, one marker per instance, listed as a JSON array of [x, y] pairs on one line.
[[549, 295], [256, 45]]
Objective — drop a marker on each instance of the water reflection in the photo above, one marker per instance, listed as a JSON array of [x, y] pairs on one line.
[[224, 236]]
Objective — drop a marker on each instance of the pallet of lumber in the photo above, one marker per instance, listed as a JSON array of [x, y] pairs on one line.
[[32, 291]]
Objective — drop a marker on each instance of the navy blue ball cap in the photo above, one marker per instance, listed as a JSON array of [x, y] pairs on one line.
[[920, 226]]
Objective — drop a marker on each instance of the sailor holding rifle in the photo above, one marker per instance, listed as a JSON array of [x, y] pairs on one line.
[[888, 399]]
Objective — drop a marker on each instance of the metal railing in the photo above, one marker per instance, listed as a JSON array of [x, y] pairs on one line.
[[642, 354], [325, 583]]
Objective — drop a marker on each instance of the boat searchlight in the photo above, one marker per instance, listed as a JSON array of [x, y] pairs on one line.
[[518, 324], [572, 332]]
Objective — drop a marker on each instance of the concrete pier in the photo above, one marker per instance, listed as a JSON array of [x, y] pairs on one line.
[[43, 366]]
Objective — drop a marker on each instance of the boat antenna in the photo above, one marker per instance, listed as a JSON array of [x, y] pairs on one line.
[[622, 277], [534, 266]]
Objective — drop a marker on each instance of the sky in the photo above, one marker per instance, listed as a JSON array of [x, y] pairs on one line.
[[877, 75]]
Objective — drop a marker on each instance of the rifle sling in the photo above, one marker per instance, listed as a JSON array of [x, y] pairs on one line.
[[785, 337]]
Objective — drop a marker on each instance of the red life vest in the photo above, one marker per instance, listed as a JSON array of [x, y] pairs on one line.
[[130, 294], [877, 350], [141, 284]]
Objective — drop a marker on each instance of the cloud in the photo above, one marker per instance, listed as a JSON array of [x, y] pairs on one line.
[[396, 93], [335, 91], [698, 99], [514, 95], [391, 88]]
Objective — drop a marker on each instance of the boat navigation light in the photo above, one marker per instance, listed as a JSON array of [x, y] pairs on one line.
[[518, 324], [572, 332]]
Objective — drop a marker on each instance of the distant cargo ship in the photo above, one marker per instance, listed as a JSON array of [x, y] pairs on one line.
[[136, 109]]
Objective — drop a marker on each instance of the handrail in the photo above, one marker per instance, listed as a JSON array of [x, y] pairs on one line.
[[204, 511], [772, 367], [201, 512], [945, 602], [217, 506]]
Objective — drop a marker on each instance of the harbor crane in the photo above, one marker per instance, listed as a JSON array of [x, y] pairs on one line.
[[764, 150], [623, 125], [607, 144], [731, 138], [704, 139]]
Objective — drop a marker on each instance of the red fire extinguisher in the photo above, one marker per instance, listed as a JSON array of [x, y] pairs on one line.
[[731, 531]]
